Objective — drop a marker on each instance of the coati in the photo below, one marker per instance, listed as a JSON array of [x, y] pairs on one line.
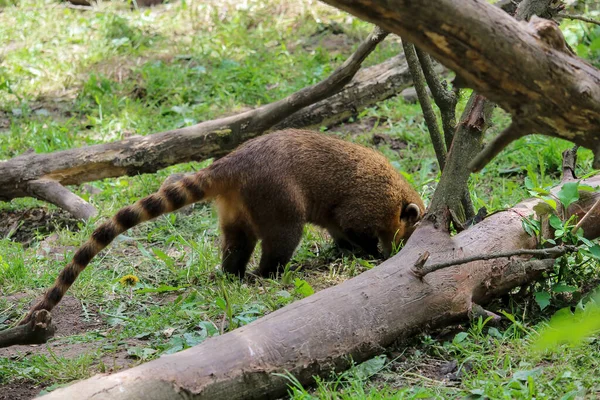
[[267, 189]]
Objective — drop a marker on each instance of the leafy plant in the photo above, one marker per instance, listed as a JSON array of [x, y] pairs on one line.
[[563, 234]]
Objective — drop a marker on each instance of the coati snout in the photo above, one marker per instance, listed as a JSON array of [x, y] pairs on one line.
[[267, 189]]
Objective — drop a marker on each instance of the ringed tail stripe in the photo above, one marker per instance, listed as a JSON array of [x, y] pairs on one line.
[[169, 198]]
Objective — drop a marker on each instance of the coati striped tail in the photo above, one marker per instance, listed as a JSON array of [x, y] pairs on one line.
[[169, 198]]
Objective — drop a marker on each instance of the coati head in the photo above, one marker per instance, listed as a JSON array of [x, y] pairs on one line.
[[409, 217], [403, 225]]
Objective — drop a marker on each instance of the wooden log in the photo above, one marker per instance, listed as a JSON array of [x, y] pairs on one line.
[[352, 320], [208, 139], [37, 331], [526, 68]]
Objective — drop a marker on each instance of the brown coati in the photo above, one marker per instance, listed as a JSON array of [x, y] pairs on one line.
[[268, 189]]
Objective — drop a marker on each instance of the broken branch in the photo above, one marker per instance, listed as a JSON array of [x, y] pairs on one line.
[[37, 331], [579, 17], [55, 193], [513, 132], [545, 253]]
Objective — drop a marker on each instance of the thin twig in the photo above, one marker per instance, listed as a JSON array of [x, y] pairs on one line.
[[545, 253], [592, 213], [579, 17], [428, 113], [445, 99]]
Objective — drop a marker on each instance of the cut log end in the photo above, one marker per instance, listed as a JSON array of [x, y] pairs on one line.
[[37, 331]]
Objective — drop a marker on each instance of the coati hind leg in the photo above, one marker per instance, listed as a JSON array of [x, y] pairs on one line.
[[278, 247], [238, 238], [277, 213], [238, 244]]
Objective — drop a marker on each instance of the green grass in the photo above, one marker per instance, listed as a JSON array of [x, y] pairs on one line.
[[71, 78]]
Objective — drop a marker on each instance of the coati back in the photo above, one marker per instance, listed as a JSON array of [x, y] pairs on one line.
[[268, 189]]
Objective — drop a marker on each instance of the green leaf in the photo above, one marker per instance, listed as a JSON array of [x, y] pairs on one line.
[[562, 288], [528, 183], [221, 303], [161, 254], [283, 293], [160, 289], [365, 263], [192, 338], [542, 299], [555, 222], [303, 287], [493, 332], [595, 251], [141, 353], [207, 328], [568, 194], [460, 337], [544, 208], [595, 44], [588, 188], [370, 367], [524, 374]]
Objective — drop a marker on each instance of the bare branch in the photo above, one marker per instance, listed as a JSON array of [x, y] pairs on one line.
[[428, 113], [55, 193], [545, 253], [579, 17], [445, 99], [37, 331], [510, 134], [450, 192]]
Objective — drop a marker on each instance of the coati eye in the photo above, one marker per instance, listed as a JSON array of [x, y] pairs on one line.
[[411, 213]]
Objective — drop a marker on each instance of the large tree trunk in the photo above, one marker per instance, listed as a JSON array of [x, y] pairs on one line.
[[43, 175], [526, 68], [355, 319]]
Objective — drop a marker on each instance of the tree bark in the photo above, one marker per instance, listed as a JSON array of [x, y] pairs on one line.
[[527, 69], [355, 319]]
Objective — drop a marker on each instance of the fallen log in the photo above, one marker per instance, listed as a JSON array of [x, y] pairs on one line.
[[353, 320], [526, 68], [44, 175]]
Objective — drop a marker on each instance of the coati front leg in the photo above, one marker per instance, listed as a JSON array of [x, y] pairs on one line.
[[278, 247], [363, 240], [238, 244]]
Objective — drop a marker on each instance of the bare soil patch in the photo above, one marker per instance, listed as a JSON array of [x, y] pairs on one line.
[[21, 390], [23, 225]]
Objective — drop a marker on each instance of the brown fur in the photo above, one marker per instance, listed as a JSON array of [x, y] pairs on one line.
[[268, 189]]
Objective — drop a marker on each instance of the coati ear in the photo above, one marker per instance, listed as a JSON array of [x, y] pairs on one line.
[[411, 213]]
